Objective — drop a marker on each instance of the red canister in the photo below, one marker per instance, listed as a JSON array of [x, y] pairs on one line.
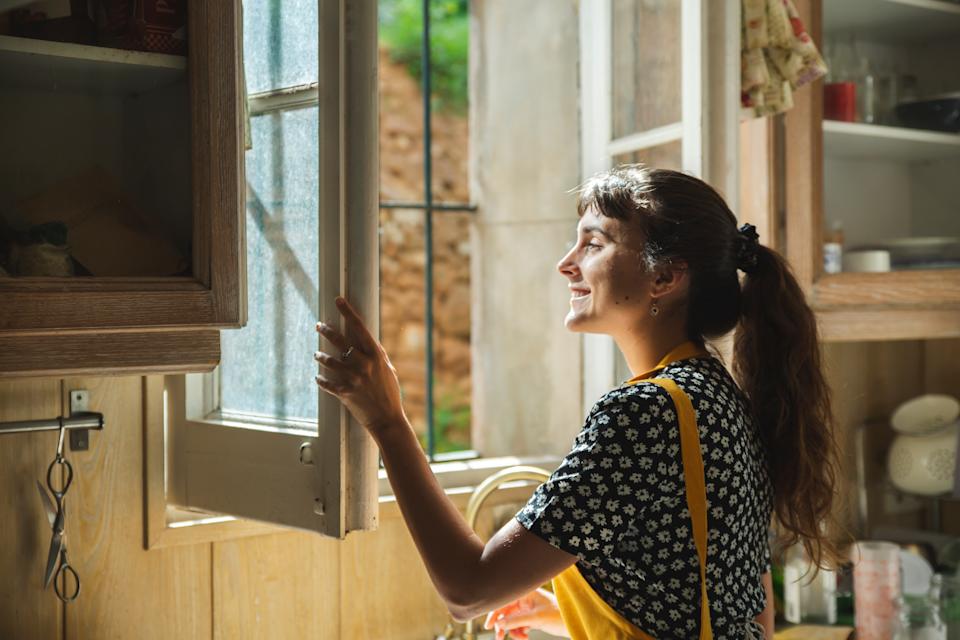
[[840, 101]]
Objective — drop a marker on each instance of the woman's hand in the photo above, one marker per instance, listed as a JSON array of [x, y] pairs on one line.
[[360, 374], [536, 610]]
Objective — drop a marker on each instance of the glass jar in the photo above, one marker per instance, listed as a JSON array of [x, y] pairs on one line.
[[950, 605], [918, 617]]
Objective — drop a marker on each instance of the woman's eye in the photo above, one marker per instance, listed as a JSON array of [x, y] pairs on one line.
[[593, 246]]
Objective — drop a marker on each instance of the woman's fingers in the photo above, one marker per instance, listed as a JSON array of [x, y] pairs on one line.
[[355, 324], [498, 614], [329, 386], [335, 337], [520, 620], [330, 362]]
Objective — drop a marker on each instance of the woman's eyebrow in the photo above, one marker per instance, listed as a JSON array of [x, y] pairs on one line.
[[594, 228]]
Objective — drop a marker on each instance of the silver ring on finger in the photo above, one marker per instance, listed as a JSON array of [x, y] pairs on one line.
[[346, 354]]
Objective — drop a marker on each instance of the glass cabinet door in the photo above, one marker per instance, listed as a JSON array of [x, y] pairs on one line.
[[95, 155], [121, 176]]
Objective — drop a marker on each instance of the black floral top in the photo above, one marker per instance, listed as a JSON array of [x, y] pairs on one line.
[[618, 503]]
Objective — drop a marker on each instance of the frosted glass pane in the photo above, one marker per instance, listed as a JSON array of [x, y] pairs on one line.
[[663, 156], [280, 43], [645, 56], [268, 366]]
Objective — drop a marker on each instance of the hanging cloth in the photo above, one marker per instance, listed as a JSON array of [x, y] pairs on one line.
[[586, 615], [777, 55]]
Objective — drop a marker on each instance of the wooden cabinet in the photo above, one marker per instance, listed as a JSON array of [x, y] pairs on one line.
[[140, 154], [886, 183]]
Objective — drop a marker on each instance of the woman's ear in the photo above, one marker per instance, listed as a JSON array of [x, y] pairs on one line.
[[669, 279]]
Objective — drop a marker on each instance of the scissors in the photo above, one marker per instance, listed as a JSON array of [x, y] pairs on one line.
[[57, 517]]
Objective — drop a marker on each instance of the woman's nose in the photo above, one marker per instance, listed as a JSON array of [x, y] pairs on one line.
[[567, 265]]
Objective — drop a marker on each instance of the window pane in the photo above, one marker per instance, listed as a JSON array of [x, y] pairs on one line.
[[402, 302], [662, 156], [268, 366], [645, 56], [451, 331], [280, 43], [403, 313], [401, 100]]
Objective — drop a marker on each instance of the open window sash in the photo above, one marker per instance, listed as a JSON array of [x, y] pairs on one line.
[[323, 480], [705, 136]]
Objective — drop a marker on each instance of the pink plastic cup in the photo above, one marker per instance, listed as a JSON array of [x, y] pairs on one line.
[[876, 584]]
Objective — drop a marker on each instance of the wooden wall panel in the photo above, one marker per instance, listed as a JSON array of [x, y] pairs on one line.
[[278, 586], [127, 592], [387, 592], [26, 610], [844, 370]]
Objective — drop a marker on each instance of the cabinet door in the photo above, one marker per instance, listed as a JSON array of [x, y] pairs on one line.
[[140, 156], [660, 85], [320, 478], [882, 178]]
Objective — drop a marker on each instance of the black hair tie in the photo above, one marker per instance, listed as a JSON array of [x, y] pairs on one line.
[[748, 246]]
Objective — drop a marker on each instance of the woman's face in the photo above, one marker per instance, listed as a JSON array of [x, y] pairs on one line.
[[609, 287]]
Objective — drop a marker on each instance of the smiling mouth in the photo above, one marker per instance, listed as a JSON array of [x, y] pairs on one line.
[[579, 293]]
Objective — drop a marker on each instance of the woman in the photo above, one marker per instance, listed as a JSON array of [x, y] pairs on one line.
[[663, 502]]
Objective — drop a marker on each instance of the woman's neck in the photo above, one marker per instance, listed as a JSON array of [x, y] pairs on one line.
[[646, 346]]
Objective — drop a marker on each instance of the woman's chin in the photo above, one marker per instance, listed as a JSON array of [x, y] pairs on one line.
[[575, 322]]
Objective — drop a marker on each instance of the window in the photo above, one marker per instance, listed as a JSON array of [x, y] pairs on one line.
[[651, 93], [258, 438]]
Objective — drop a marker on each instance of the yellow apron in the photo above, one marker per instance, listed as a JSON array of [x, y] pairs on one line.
[[586, 615]]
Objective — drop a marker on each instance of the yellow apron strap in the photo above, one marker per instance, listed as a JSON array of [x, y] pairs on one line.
[[693, 473]]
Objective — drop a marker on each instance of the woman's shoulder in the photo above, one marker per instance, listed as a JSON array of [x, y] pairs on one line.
[[631, 394], [701, 375], [636, 404]]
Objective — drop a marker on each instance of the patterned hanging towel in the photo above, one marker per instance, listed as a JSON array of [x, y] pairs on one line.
[[777, 56]]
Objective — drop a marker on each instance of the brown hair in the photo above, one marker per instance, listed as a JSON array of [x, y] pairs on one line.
[[776, 346]]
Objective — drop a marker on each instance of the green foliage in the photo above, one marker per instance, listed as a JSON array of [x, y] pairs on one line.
[[451, 423], [401, 31]]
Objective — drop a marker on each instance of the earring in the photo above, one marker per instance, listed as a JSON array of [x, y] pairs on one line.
[[654, 309]]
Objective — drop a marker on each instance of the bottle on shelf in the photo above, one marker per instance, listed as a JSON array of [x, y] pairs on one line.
[[833, 249], [866, 91], [808, 598]]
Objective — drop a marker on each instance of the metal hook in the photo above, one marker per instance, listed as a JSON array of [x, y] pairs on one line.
[[60, 439]]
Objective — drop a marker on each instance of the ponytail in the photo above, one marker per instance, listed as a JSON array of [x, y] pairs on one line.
[[777, 363]]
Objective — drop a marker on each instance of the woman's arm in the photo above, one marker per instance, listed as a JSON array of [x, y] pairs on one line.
[[472, 577], [767, 616]]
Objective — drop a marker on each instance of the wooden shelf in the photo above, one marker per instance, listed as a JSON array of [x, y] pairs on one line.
[[876, 142], [893, 20], [26, 63]]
